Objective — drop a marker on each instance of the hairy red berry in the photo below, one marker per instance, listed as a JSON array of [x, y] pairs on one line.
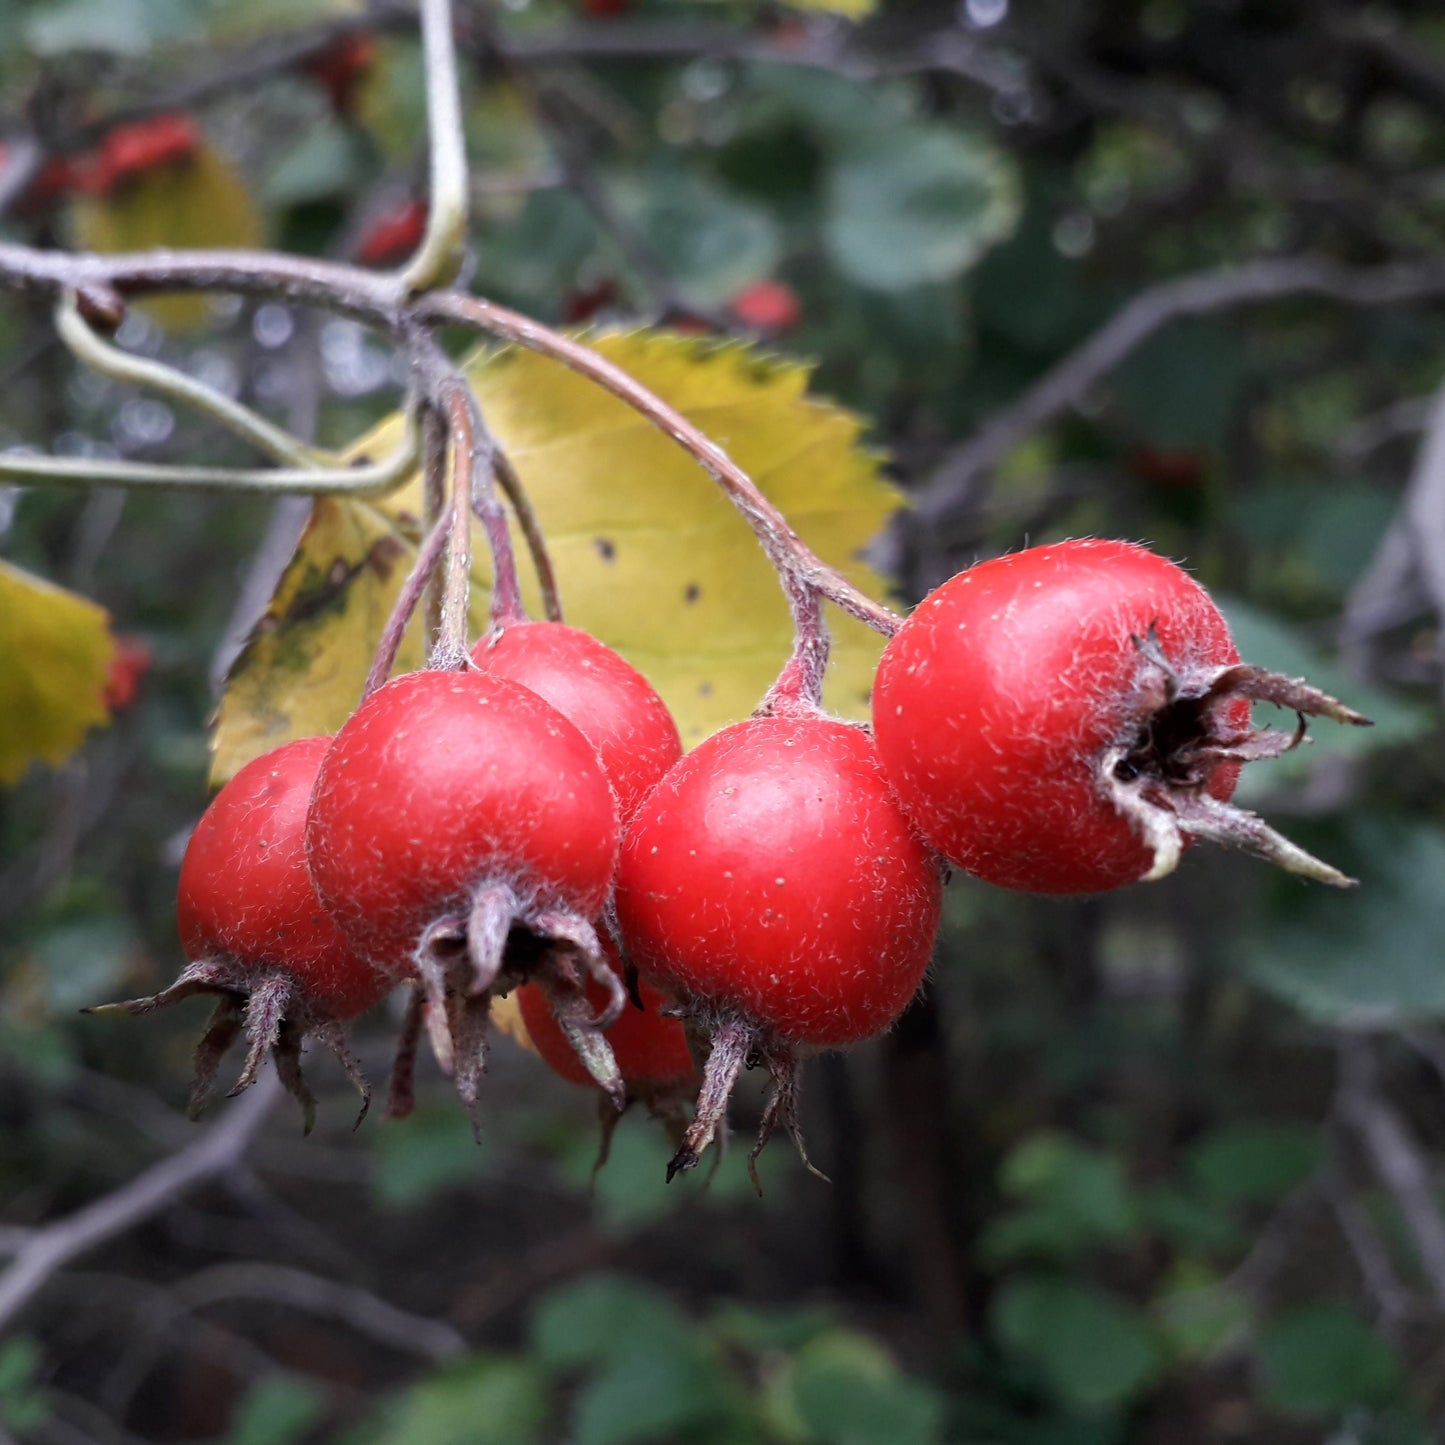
[[611, 704], [773, 886], [256, 933], [462, 832], [1068, 718]]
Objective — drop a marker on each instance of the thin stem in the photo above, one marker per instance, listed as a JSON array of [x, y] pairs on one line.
[[789, 554], [412, 591], [438, 260], [434, 508], [272, 441], [800, 684], [373, 479], [453, 638], [506, 605], [532, 534]]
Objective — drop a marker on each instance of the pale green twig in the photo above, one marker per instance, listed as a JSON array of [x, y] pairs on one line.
[[438, 260], [175, 385], [371, 479]]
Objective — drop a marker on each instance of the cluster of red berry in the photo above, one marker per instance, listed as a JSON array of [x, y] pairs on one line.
[[125, 152], [1064, 719]]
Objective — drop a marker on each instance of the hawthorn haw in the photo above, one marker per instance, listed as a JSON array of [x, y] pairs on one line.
[[1069, 718], [771, 307], [462, 832], [257, 935], [611, 704], [341, 67], [130, 150], [771, 884], [649, 1045]]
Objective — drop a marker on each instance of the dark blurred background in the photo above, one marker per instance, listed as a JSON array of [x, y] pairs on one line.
[[1157, 1167]]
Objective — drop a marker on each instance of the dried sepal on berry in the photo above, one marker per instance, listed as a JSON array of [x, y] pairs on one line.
[[462, 834], [258, 937]]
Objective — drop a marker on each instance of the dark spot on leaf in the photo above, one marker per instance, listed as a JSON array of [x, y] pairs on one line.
[[383, 555], [362, 459], [606, 548], [692, 592], [705, 690], [320, 591]]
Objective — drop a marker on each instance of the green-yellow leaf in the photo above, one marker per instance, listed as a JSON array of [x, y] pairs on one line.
[[650, 555], [848, 9], [303, 667], [200, 202], [55, 649]]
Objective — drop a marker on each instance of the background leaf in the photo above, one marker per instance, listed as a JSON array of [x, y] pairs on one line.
[[55, 648], [913, 204], [1093, 1350], [1321, 1359], [1371, 957]]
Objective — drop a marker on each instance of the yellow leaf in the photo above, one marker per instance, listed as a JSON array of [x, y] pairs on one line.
[[506, 1018], [201, 201], [650, 555], [55, 649], [302, 669], [848, 9]]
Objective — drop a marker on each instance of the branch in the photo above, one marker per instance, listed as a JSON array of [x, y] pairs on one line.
[[1395, 1157], [371, 479], [347, 290], [847, 52], [789, 554], [1068, 382], [365, 1312], [438, 260], [50, 1247], [1377, 1271], [1406, 576], [268, 439]]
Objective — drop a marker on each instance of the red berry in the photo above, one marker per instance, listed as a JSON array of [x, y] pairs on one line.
[[1066, 719], [605, 9], [462, 832], [651, 1050], [394, 234], [256, 933], [130, 662], [612, 705], [584, 303], [768, 306], [771, 883], [340, 68], [1170, 468], [138, 146]]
